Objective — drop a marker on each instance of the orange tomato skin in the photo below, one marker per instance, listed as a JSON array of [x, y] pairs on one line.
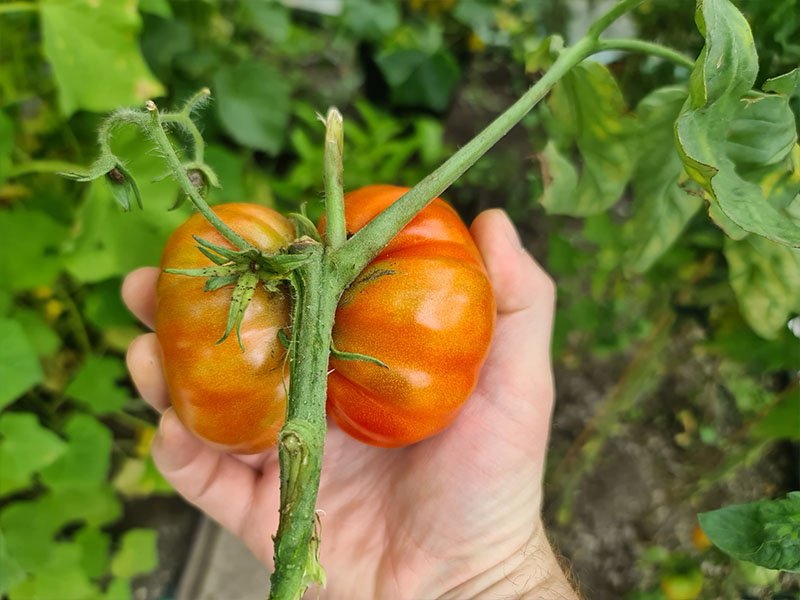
[[235, 401], [424, 307]]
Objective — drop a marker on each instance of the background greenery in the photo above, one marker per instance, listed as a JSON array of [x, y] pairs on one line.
[[670, 337]]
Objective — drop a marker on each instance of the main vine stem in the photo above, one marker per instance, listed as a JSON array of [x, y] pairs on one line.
[[318, 285]]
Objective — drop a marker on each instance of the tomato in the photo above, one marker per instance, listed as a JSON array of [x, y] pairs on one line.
[[683, 586], [236, 401], [425, 308]]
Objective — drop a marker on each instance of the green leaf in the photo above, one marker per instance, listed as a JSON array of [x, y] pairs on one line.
[[11, 574], [86, 461], [25, 448], [103, 306], [137, 554], [38, 238], [240, 300], [420, 71], [787, 84], [98, 37], [269, 17], [766, 533], [6, 145], [28, 533], [766, 279], [253, 104], [19, 365], [156, 7], [371, 20], [724, 73], [41, 336], [139, 477], [587, 108], [95, 385], [118, 589], [662, 207], [108, 243], [560, 178], [782, 421], [60, 577], [94, 546]]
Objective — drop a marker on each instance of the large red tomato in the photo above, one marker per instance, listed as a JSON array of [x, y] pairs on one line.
[[424, 307], [234, 400]]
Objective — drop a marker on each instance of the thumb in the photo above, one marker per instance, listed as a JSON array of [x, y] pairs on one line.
[[519, 360]]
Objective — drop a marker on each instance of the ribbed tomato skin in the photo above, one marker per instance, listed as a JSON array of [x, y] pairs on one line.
[[235, 401], [424, 307]]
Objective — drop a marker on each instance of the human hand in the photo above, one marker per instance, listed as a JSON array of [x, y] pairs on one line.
[[455, 516]]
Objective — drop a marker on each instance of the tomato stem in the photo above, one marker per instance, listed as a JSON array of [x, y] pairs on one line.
[[631, 45], [302, 438], [336, 229]]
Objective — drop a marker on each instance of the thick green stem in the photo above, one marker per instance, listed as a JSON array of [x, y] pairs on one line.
[[156, 131], [600, 25], [335, 230], [359, 250], [302, 437], [643, 47]]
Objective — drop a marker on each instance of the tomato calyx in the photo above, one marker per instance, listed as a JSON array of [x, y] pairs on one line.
[[245, 270]]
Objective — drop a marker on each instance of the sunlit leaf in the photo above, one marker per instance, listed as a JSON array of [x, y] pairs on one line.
[[11, 574], [765, 533], [94, 546], [137, 553], [92, 47], [60, 577]]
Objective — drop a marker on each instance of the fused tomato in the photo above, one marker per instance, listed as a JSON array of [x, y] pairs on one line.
[[425, 308], [235, 400]]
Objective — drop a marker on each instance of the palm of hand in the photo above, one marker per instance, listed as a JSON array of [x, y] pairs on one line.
[[398, 523]]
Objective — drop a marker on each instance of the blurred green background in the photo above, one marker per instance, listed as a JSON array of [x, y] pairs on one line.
[[677, 379]]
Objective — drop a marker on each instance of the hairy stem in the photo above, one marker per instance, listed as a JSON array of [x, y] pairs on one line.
[[302, 438], [335, 230], [154, 128], [643, 47], [617, 11]]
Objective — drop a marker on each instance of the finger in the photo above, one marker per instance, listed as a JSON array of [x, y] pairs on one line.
[[221, 486], [139, 294], [144, 365]]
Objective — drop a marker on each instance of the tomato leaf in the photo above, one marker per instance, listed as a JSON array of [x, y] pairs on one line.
[[25, 448], [723, 75], [19, 365], [782, 421], [94, 545], [101, 36], [253, 104], [61, 576], [137, 554], [765, 532], [587, 108], [766, 279], [662, 207]]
